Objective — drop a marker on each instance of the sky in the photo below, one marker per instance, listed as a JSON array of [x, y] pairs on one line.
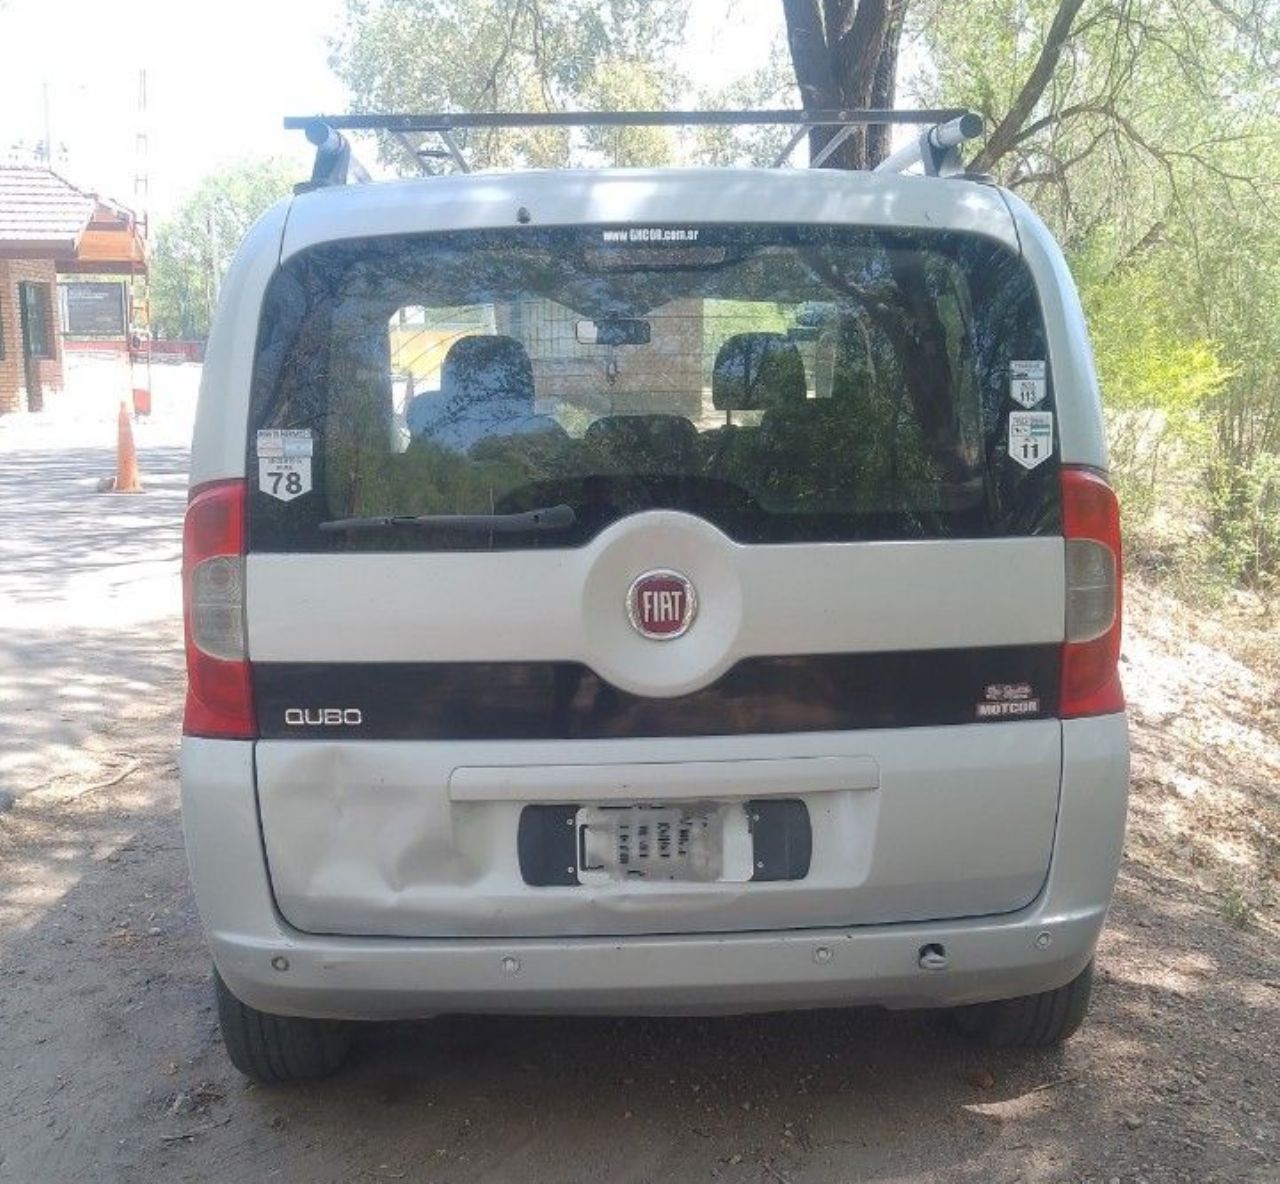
[[220, 77]]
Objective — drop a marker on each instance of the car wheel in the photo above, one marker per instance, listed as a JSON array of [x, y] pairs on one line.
[[1029, 1021], [278, 1049]]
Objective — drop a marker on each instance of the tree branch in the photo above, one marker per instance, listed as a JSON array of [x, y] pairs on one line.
[[1147, 243], [1003, 138], [490, 84], [1054, 118]]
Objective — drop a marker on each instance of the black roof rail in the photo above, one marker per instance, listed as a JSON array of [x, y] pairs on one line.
[[936, 149]]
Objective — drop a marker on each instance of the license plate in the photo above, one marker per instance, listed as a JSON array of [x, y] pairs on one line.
[[690, 843]]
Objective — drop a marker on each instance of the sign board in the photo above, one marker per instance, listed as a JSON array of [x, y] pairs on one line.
[[95, 309]]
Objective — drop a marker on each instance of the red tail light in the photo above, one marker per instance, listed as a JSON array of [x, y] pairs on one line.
[[219, 689], [1091, 655]]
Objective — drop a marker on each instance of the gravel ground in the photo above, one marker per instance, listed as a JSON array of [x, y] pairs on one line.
[[111, 1068]]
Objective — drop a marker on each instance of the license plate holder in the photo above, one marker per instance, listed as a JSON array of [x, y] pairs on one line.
[[673, 842], [682, 843]]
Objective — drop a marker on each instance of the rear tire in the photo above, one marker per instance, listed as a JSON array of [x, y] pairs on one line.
[[278, 1049], [1029, 1021]]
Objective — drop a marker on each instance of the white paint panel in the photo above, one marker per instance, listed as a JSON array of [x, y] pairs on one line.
[[647, 196], [661, 780], [362, 837], [366, 978], [1077, 400], [569, 605]]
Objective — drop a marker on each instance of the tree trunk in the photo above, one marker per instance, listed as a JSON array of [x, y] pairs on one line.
[[845, 55]]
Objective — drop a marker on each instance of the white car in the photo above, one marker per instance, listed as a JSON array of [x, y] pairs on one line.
[[676, 591]]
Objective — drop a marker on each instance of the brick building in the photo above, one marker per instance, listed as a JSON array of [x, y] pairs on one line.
[[49, 227]]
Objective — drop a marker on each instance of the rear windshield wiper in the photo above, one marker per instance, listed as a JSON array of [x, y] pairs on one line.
[[528, 522]]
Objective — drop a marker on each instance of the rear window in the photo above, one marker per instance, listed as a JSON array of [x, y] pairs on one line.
[[786, 384]]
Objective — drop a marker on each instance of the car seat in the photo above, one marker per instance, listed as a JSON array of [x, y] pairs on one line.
[[643, 444], [752, 372], [486, 391]]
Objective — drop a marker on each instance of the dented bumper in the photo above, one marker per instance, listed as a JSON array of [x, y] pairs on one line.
[[276, 968]]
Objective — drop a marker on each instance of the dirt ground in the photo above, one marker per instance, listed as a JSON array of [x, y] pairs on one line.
[[111, 1067]]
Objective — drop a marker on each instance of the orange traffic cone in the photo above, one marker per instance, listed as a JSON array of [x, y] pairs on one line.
[[128, 479]]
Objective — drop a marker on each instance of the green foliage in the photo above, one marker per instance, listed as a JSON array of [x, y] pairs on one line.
[[773, 85], [194, 246], [1153, 151], [515, 55], [1237, 909], [1246, 510], [619, 85], [1155, 382], [1135, 118]]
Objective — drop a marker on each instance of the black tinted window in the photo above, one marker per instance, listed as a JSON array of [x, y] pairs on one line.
[[786, 384]]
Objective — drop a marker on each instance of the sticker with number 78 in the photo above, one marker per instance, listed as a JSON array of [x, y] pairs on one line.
[[284, 478]]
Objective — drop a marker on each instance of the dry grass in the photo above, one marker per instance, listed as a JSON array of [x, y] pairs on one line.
[[1203, 691]]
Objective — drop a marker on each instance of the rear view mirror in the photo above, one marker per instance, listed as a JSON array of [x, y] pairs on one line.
[[613, 331]]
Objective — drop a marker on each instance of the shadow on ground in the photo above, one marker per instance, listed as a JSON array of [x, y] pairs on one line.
[[91, 590], [128, 1080], [111, 1068], [57, 532]]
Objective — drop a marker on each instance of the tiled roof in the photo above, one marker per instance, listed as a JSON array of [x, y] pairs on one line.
[[37, 207]]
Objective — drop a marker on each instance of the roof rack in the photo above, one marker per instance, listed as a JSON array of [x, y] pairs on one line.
[[936, 150]]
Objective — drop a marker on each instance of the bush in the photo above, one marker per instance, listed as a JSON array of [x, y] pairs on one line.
[[1245, 501]]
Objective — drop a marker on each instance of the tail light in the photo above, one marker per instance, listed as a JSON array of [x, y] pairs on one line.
[[1091, 655], [219, 690]]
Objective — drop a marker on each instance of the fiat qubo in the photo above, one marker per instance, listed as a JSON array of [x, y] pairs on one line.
[[676, 591]]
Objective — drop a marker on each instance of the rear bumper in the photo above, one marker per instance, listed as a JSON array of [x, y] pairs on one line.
[[275, 968], [365, 978]]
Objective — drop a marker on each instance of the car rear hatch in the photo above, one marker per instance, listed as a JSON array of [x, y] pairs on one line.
[[630, 579]]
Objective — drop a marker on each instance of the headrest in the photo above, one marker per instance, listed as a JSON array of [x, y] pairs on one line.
[[756, 371], [649, 430], [852, 365], [642, 443], [487, 369]]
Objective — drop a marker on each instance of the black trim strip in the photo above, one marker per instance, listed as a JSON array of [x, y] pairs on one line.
[[568, 701]]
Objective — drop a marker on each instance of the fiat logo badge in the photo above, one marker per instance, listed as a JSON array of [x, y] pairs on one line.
[[661, 604]]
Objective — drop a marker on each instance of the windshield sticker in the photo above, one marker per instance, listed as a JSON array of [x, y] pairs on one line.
[[1026, 382], [1030, 437], [284, 462], [650, 234]]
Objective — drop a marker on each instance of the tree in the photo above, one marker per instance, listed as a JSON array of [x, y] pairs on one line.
[[772, 85], [845, 55], [194, 246], [1108, 113], [522, 55], [1146, 132]]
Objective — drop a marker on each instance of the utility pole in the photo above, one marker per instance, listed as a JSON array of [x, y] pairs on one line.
[[140, 334], [48, 125], [211, 230]]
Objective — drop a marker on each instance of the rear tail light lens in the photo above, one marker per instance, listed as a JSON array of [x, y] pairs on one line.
[[1091, 589], [219, 690], [217, 607], [1094, 582]]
